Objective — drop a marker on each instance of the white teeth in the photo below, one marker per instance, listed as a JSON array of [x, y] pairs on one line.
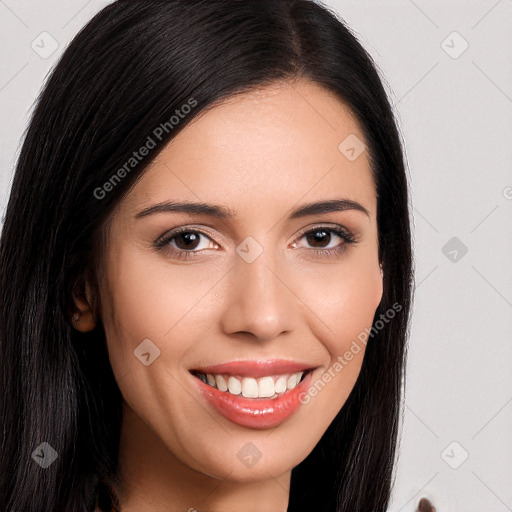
[[234, 386], [280, 385], [250, 388], [292, 381], [221, 383], [266, 387]]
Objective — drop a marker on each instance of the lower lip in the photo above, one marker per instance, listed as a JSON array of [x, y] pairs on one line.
[[256, 413]]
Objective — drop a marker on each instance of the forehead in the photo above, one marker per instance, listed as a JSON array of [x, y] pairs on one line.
[[264, 149]]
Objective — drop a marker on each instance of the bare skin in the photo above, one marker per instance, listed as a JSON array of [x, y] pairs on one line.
[[261, 154]]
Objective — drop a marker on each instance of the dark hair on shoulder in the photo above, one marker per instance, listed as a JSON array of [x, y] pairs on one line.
[[126, 73]]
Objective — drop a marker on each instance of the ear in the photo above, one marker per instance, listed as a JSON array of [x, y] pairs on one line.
[[83, 318], [381, 287]]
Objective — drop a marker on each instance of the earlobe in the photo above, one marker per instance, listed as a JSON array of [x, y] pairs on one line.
[[83, 318]]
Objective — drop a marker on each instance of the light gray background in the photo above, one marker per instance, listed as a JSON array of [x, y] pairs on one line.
[[455, 115]]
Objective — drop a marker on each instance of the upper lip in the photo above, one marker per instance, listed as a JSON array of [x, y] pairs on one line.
[[256, 369]]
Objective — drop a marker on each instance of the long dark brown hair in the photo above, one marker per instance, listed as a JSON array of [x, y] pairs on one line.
[[126, 73]]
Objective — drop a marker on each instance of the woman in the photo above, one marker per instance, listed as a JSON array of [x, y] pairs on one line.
[[206, 268]]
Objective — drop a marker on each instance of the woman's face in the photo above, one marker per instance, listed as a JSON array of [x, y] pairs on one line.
[[249, 298]]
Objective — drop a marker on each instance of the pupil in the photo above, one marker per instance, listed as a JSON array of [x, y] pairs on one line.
[[319, 235], [189, 237]]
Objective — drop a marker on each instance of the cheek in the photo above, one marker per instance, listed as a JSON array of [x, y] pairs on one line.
[[140, 308], [344, 305], [343, 299], [155, 315], [148, 301]]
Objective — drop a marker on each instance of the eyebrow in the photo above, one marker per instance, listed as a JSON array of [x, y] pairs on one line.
[[222, 212]]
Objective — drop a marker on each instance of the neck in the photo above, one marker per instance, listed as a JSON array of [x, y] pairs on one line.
[[153, 478]]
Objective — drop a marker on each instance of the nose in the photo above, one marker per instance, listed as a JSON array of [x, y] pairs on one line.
[[259, 300]]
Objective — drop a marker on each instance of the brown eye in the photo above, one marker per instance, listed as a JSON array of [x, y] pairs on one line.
[[325, 241], [184, 243], [319, 236], [187, 240], [322, 236]]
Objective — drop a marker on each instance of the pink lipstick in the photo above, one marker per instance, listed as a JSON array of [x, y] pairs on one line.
[[254, 394]]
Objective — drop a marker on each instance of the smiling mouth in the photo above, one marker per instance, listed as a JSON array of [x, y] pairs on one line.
[[257, 394], [271, 386]]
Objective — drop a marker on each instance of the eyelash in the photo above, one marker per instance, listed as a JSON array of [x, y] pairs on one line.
[[162, 243]]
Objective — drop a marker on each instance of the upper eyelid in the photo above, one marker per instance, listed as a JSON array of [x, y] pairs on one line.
[[331, 227]]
